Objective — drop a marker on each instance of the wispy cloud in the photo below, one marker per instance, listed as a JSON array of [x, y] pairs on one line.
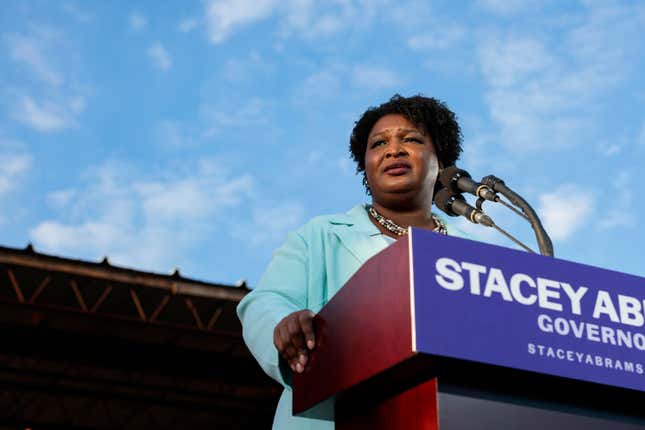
[[145, 220], [321, 85], [512, 60], [510, 7], [328, 82], [223, 16], [75, 11], [187, 25], [253, 112], [270, 223], [48, 115], [53, 101], [539, 88], [640, 138], [247, 68], [442, 37], [313, 20], [302, 18], [137, 21], [565, 210], [375, 77], [519, 69], [13, 166], [175, 134], [32, 51], [621, 213], [160, 56]]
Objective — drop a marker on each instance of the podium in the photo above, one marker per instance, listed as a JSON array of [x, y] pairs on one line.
[[434, 320]]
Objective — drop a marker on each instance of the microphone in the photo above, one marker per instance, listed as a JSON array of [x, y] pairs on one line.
[[455, 205], [459, 181]]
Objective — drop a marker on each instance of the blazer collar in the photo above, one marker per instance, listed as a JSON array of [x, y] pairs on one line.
[[360, 236], [357, 233]]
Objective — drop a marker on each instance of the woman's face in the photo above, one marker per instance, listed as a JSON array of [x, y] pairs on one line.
[[400, 163]]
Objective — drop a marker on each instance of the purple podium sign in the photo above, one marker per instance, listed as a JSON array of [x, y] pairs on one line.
[[499, 306]]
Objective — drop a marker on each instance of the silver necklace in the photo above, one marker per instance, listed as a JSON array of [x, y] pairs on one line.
[[393, 227]]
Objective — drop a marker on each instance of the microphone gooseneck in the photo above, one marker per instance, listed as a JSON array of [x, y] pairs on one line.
[[542, 237]]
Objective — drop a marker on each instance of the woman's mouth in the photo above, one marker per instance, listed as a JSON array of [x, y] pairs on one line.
[[396, 169]]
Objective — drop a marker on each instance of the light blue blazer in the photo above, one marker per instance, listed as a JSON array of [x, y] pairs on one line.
[[313, 264]]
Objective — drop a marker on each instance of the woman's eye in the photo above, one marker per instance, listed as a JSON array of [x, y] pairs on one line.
[[413, 139], [377, 143]]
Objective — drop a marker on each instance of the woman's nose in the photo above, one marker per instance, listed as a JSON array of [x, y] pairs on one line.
[[396, 149]]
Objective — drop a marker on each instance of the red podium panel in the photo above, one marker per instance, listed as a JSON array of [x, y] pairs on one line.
[[363, 337]]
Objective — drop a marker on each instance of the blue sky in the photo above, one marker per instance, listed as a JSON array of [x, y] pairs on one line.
[[196, 134]]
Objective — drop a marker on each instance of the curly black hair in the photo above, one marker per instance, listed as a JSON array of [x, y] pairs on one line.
[[429, 113]]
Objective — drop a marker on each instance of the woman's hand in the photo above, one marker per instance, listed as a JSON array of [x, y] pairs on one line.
[[294, 338]]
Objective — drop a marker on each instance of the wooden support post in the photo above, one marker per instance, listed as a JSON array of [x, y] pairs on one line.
[[16, 286]]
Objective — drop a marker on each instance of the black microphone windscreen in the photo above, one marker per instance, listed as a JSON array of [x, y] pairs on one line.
[[442, 199], [449, 176]]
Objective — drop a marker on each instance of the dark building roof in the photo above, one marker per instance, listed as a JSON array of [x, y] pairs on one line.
[[91, 345]]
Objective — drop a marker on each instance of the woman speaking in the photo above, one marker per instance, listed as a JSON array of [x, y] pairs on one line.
[[399, 148]]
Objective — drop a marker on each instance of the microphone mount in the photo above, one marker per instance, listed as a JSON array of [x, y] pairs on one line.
[[542, 237], [450, 200]]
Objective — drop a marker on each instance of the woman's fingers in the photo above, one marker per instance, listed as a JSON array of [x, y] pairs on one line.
[[295, 333], [306, 319], [294, 337]]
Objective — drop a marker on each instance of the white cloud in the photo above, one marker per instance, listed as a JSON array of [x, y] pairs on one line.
[[327, 83], [56, 105], [12, 167], [61, 198], [223, 16], [48, 116], [549, 95], [375, 77], [512, 60], [322, 85], [442, 37], [346, 165], [190, 199], [187, 25], [144, 220], [533, 94], [246, 68], [175, 134], [269, 223], [510, 7], [160, 56], [621, 214], [77, 13], [32, 51], [307, 19], [253, 112], [616, 219], [565, 210], [137, 21]]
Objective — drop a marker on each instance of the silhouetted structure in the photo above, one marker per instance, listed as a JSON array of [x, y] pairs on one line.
[[93, 346]]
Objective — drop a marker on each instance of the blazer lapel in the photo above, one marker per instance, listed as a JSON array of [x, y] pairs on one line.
[[357, 234]]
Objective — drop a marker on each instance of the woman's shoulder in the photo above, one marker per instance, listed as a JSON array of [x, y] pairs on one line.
[[355, 217]]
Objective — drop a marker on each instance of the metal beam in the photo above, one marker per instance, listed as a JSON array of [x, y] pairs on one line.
[[114, 274]]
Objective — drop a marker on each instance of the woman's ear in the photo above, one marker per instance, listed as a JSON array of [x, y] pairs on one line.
[[437, 185], [440, 171]]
